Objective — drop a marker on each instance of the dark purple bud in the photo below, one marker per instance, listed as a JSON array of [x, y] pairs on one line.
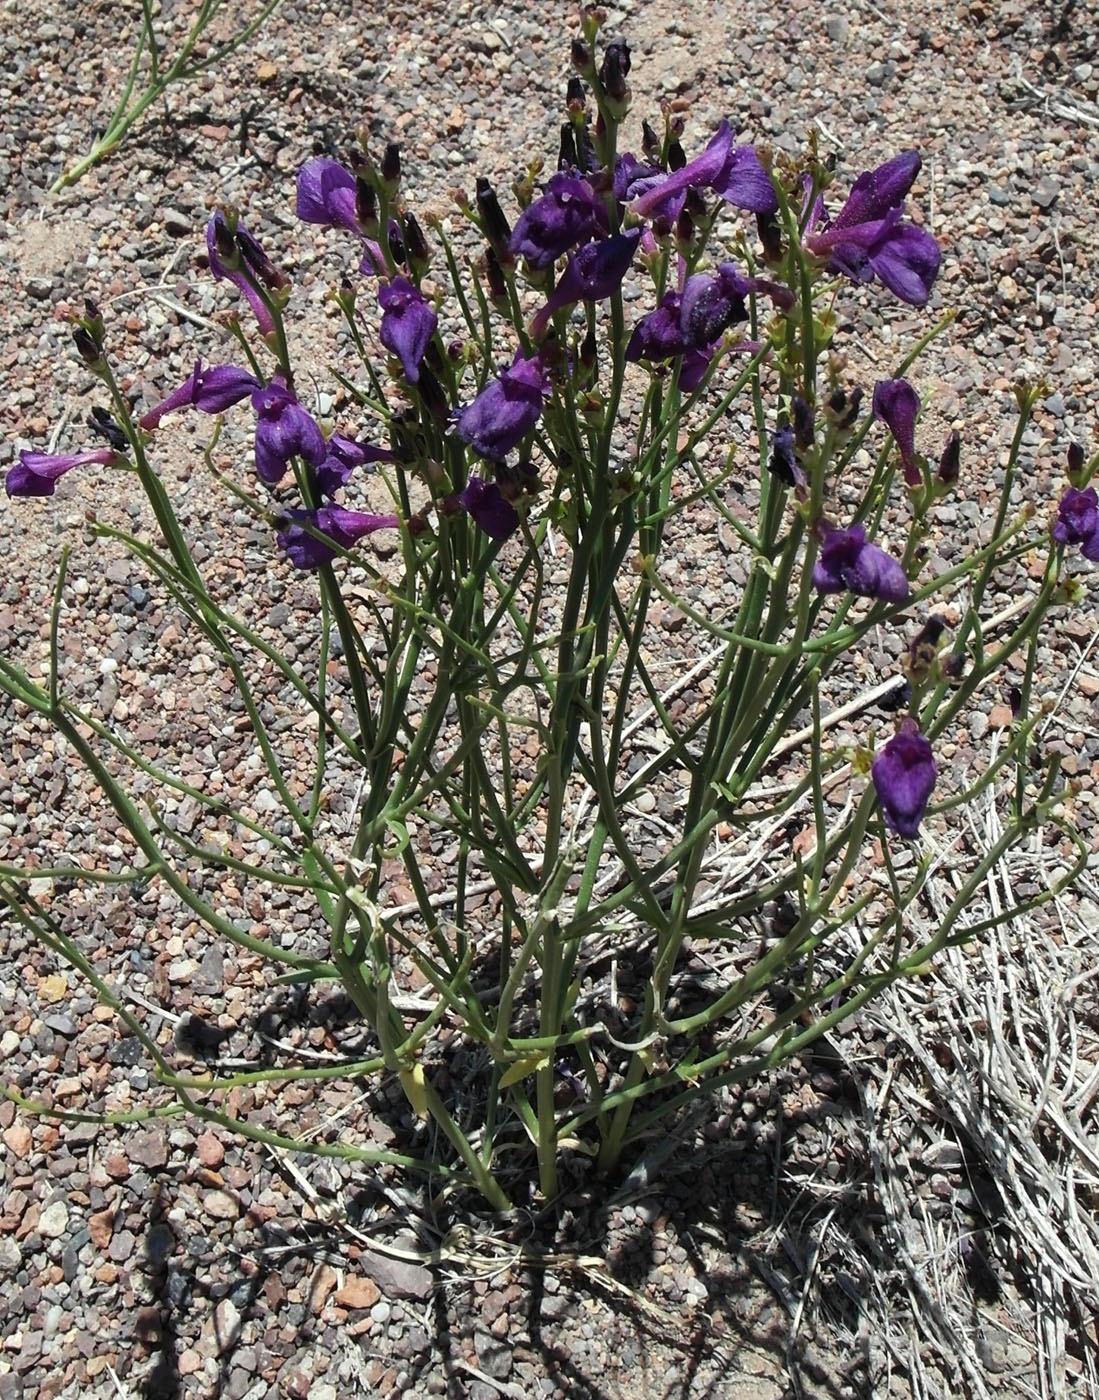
[[37, 473], [419, 254], [848, 564], [212, 389], [433, 397], [494, 224], [783, 462], [1015, 700], [581, 56], [650, 142], [951, 460], [844, 408], [589, 351], [568, 213], [226, 248], [904, 777], [567, 157], [103, 424], [489, 509], [770, 235], [283, 430], [575, 96], [897, 699], [896, 404], [1075, 460], [1078, 521], [803, 423], [677, 156], [87, 349], [258, 263], [684, 230], [518, 482], [614, 70], [497, 283], [343, 455], [391, 168], [506, 410], [314, 537], [366, 206], [396, 242], [408, 323], [593, 273], [923, 649]]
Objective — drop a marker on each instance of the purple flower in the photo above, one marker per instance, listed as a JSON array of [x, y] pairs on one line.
[[1077, 521], [733, 172], [342, 457], [868, 238], [211, 390], [408, 323], [284, 430], [238, 258], [658, 335], [904, 777], [570, 212], [37, 473], [326, 195], [341, 530], [592, 273], [848, 564], [633, 178], [783, 462], [710, 303], [506, 410], [896, 404], [489, 508]]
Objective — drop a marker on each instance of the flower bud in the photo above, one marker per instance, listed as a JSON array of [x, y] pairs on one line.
[[494, 224], [390, 171], [803, 423], [770, 235], [419, 255], [677, 156], [396, 241], [497, 283], [1075, 462], [613, 72], [581, 56], [650, 142], [567, 158], [366, 206], [88, 350], [102, 422], [950, 461], [923, 649]]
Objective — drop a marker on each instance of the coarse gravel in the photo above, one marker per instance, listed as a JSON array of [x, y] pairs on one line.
[[168, 1259]]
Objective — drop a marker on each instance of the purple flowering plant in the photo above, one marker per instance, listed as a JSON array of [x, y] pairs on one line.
[[484, 527]]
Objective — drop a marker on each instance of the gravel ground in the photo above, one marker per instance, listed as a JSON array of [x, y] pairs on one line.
[[168, 1260]]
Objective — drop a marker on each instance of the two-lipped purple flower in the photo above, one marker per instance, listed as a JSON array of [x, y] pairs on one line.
[[870, 238]]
